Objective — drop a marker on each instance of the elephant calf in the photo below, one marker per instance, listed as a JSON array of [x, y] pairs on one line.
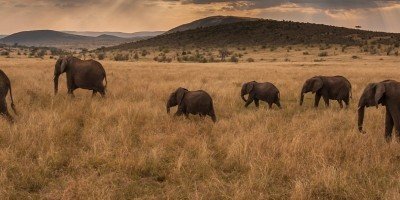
[[386, 93], [5, 86], [261, 91], [85, 74], [191, 102], [328, 87]]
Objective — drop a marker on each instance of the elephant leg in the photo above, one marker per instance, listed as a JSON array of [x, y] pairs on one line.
[[94, 93], [317, 98], [278, 103], [270, 105], [346, 101], [4, 110], [71, 93], [388, 125], [340, 103], [326, 99], [257, 102], [395, 114], [249, 101]]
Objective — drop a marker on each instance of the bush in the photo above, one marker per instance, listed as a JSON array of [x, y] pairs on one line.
[[234, 59], [5, 53], [101, 56], [306, 53], [355, 57], [250, 60], [121, 57], [323, 54], [136, 56]]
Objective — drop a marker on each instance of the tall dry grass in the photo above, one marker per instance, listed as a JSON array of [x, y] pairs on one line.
[[126, 146]]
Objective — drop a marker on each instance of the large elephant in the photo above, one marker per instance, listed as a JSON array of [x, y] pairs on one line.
[[191, 102], [260, 91], [5, 86], [85, 74], [329, 88], [386, 93]]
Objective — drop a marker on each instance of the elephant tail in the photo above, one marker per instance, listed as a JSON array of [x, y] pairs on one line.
[[12, 100]]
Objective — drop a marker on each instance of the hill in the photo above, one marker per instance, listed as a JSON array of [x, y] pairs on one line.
[[264, 32], [3, 36], [62, 40], [210, 21], [117, 34]]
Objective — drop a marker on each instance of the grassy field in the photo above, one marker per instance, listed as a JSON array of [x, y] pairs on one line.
[[126, 146]]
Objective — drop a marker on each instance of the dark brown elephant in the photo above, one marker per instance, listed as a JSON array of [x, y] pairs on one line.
[[191, 102], [5, 86], [267, 92], [85, 74], [386, 93], [329, 88]]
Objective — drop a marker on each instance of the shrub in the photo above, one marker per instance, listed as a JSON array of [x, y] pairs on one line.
[[121, 57], [5, 53], [136, 56], [355, 57], [234, 59], [101, 56], [250, 60], [306, 53], [323, 54]]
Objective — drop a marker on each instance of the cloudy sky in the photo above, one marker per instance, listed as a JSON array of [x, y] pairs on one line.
[[152, 15]]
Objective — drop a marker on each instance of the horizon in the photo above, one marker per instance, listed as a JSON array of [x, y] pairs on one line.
[[162, 15]]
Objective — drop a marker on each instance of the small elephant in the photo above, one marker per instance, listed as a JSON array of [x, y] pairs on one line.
[[192, 102], [5, 86], [328, 87], [85, 74], [386, 93], [260, 91]]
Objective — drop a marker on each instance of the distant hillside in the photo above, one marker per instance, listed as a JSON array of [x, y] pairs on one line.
[[117, 34], [3, 36], [210, 21], [264, 32], [51, 38]]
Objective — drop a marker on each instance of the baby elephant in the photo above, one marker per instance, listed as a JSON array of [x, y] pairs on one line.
[[5, 85], [261, 91], [191, 102], [328, 87]]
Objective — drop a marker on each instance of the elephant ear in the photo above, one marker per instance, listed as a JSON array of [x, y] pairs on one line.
[[63, 65], [379, 91], [180, 93], [317, 85], [250, 87]]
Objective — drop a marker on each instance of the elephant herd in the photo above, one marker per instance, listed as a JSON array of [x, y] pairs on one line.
[[90, 74]]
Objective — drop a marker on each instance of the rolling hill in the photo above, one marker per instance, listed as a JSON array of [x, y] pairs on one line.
[[50, 38], [3, 36], [117, 34], [210, 21], [263, 32]]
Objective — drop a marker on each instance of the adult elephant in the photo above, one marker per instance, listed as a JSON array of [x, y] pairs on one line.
[[329, 88], [267, 92], [386, 93], [85, 74], [191, 102], [5, 87]]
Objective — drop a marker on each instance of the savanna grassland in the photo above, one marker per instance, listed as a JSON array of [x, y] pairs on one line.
[[126, 146]]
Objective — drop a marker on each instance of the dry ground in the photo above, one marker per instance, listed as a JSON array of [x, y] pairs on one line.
[[126, 146]]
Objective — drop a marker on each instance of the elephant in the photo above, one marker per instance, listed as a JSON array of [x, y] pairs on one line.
[[85, 74], [386, 93], [329, 88], [267, 92], [192, 102], [5, 86]]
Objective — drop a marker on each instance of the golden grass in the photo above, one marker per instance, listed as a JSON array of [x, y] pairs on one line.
[[126, 146]]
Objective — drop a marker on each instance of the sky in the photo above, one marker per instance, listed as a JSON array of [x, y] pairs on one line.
[[156, 15]]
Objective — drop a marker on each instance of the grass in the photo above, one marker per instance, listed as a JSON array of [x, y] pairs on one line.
[[126, 146]]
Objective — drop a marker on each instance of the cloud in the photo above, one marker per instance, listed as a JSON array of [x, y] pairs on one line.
[[325, 4]]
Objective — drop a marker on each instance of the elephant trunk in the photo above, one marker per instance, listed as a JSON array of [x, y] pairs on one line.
[[301, 97], [361, 111], [168, 107], [56, 83]]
